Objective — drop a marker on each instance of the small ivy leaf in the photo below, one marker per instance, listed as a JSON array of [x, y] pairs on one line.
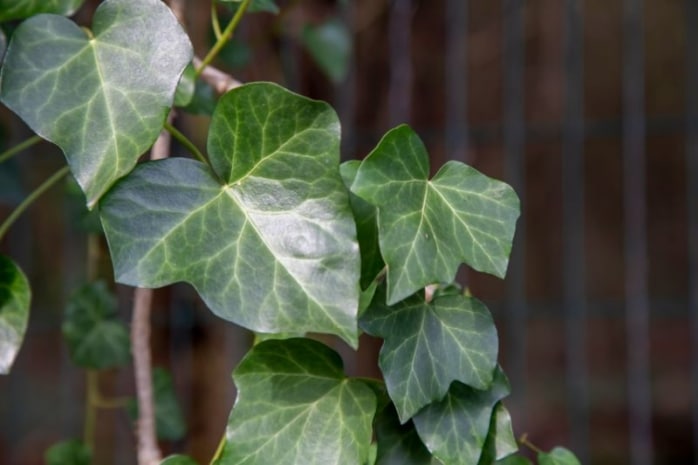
[[169, 421], [558, 456], [455, 428], [96, 338], [430, 344], [268, 6], [178, 460], [500, 441], [185, 89], [296, 407], [73, 452], [102, 100], [15, 297], [428, 227], [398, 444], [366, 227], [18, 9], [330, 46], [268, 241]]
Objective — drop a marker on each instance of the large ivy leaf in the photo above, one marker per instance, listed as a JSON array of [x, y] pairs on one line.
[[268, 240], [96, 338], [430, 344], [169, 421], [296, 407], [101, 99], [15, 296], [398, 444], [455, 428], [17, 9], [427, 228], [72, 452], [500, 441], [557, 456]]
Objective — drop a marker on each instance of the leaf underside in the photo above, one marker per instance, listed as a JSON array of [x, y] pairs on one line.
[[15, 297]]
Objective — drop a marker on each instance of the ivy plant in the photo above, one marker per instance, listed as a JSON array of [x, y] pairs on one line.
[[276, 236]]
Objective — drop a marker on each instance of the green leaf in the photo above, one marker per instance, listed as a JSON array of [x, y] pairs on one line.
[[514, 460], [268, 241], [330, 46], [500, 441], [185, 89], [366, 227], [178, 460], [96, 338], [430, 344], [73, 452], [101, 99], [398, 444], [15, 297], [455, 428], [203, 102], [557, 456], [269, 6], [169, 421], [427, 228], [296, 407], [18, 9]]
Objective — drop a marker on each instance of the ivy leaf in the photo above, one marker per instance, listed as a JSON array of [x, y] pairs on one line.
[[15, 296], [430, 344], [269, 6], [73, 452], [427, 228], [455, 428], [96, 338], [268, 240], [18, 9], [366, 227], [169, 421], [186, 87], [101, 99], [296, 407], [178, 460], [330, 45], [557, 456], [514, 460], [500, 441], [398, 444]]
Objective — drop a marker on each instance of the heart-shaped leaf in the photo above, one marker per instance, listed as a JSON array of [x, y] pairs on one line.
[[97, 339], [500, 441], [72, 452], [430, 344], [455, 428], [169, 421], [15, 296], [296, 407], [398, 444], [268, 240], [427, 228], [101, 99], [557, 456], [17, 9]]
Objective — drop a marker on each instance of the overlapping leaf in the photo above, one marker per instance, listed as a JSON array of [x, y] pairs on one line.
[[455, 429], [398, 444], [268, 240], [500, 441], [101, 99], [557, 456], [97, 339], [295, 407], [15, 296], [430, 344], [17, 9], [428, 227]]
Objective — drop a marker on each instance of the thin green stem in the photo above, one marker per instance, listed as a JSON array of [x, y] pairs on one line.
[[189, 145], [225, 37], [219, 450], [57, 176], [215, 22], [12, 151]]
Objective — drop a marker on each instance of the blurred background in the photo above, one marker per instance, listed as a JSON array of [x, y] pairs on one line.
[[588, 108]]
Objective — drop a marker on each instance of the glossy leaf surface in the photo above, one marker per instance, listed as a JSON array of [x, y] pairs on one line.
[[18, 9], [500, 441], [73, 452], [268, 240], [296, 407], [430, 344], [15, 297], [557, 456], [428, 227], [96, 338], [169, 421], [101, 99], [455, 428]]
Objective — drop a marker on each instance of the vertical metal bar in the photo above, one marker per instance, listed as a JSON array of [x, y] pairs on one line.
[[514, 147], [573, 231], [634, 205], [400, 49], [692, 195], [456, 80]]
